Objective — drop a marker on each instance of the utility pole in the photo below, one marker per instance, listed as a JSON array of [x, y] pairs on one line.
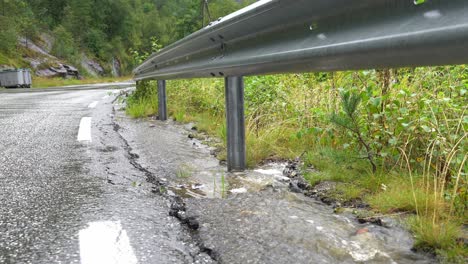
[[205, 8]]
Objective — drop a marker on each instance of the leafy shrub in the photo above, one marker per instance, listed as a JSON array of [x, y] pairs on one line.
[[64, 45], [9, 36]]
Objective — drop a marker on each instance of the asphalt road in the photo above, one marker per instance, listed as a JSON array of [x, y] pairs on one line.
[[69, 189]]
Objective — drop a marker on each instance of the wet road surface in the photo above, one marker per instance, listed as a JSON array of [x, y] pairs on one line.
[[70, 201], [82, 183]]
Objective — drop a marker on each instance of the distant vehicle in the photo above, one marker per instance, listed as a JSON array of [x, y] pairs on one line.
[[18, 78]]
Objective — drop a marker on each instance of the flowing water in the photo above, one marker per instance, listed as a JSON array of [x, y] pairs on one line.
[[252, 217]]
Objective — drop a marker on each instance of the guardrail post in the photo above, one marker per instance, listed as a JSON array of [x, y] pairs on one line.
[[236, 155], [162, 104]]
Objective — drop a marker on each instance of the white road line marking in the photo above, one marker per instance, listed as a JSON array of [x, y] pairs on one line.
[[106, 242], [93, 104], [84, 133]]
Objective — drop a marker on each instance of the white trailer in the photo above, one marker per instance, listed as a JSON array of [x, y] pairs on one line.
[[18, 78]]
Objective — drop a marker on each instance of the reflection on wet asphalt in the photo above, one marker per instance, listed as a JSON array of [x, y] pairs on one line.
[[64, 200], [69, 201]]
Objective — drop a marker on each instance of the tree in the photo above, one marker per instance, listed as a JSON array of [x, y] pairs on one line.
[[78, 18], [350, 120], [64, 46]]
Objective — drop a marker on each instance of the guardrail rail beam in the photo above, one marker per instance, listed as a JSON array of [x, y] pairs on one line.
[[286, 36]]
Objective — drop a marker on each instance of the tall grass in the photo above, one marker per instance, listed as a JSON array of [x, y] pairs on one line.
[[413, 123], [444, 203], [142, 107]]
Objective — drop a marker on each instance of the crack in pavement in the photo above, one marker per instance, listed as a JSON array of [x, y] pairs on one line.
[[132, 157], [177, 208]]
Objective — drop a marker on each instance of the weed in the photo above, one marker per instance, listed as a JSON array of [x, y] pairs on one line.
[[183, 172], [455, 254], [162, 189], [348, 192], [433, 235], [142, 108], [399, 196], [179, 116]]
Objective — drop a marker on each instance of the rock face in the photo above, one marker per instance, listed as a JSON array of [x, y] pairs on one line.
[[96, 66], [29, 44], [91, 66], [44, 64], [48, 42], [61, 70], [116, 67]]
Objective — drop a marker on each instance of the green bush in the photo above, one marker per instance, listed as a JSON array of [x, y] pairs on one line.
[[64, 45], [9, 36]]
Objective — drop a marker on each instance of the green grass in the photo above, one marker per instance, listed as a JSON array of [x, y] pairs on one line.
[[184, 172], [430, 235], [223, 186], [457, 254], [41, 82], [12, 62], [348, 192], [288, 116], [398, 197], [438, 237], [142, 108], [333, 165]]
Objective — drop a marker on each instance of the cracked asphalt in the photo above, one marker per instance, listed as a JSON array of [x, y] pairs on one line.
[[69, 201]]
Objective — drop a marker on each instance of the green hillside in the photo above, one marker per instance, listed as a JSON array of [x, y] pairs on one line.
[[104, 30]]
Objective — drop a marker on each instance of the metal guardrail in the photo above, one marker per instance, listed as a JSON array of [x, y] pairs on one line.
[[276, 36], [318, 35]]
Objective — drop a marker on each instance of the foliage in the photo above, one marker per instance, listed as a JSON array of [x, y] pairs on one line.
[[350, 120], [144, 101], [105, 29], [413, 122], [138, 57], [8, 36], [64, 45]]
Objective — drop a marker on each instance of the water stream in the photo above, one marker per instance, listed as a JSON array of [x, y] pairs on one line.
[[252, 217]]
